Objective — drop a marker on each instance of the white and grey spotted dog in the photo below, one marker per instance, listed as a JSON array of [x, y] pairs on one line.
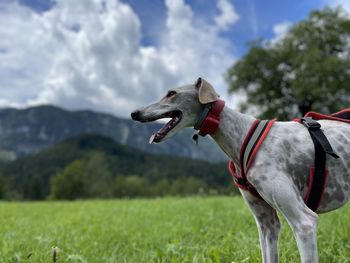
[[280, 170]]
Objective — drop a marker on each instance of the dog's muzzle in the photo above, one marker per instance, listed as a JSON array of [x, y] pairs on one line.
[[135, 115]]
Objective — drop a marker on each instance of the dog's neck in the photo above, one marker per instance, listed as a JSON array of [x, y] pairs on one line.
[[232, 130]]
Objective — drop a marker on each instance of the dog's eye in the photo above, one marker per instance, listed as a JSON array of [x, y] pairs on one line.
[[171, 93]]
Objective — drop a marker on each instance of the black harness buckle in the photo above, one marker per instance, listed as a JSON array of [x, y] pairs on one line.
[[241, 181], [310, 123]]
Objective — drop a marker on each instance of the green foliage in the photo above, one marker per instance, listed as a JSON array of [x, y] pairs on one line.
[[99, 179], [69, 184], [185, 230], [3, 186], [131, 186], [136, 186], [306, 70], [185, 186], [92, 166], [86, 178]]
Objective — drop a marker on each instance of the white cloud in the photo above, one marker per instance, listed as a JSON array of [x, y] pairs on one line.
[[228, 15], [192, 49], [88, 54], [280, 30], [345, 4]]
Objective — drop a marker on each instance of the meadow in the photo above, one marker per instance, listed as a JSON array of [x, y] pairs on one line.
[[195, 229]]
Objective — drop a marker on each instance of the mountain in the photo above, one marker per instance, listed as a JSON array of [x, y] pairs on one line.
[[24, 131], [30, 175]]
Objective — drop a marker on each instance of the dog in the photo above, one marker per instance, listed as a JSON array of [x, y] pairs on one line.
[[279, 171]]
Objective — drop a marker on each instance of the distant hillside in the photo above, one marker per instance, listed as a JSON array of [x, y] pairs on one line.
[[33, 129], [29, 177]]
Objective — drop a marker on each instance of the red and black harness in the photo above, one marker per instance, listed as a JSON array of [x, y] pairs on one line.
[[209, 121], [251, 144]]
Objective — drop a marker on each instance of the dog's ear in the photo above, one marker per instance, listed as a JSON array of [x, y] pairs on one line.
[[206, 92]]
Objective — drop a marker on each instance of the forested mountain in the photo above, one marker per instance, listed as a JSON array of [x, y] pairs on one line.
[[93, 166], [30, 130]]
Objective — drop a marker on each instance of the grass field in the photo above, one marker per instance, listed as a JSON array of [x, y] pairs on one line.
[[215, 229]]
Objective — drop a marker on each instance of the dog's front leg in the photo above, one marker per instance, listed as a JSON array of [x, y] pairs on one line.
[[268, 226]]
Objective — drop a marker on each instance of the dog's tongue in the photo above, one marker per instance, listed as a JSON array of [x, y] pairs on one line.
[[159, 135], [151, 139]]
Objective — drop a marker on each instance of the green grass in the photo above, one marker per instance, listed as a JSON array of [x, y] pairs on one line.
[[215, 229]]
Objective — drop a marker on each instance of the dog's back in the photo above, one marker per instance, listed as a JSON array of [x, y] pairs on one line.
[[337, 191], [289, 147]]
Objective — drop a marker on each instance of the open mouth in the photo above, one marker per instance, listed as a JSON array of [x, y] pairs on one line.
[[175, 120]]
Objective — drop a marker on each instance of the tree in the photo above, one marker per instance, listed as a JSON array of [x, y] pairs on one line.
[[130, 186], [187, 186], [98, 178], [309, 69], [89, 177], [4, 185], [69, 184]]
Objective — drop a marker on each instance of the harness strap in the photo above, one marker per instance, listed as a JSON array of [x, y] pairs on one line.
[[318, 173], [251, 144], [343, 115]]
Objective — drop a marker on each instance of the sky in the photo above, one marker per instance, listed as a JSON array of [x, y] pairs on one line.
[[117, 55]]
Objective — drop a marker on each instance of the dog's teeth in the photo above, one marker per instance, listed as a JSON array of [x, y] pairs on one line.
[[152, 139]]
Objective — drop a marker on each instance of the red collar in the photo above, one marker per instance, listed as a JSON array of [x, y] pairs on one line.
[[209, 120]]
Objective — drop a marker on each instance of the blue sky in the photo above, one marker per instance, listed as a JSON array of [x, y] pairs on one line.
[[115, 55]]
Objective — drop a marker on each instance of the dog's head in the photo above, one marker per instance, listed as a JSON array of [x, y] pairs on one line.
[[183, 105]]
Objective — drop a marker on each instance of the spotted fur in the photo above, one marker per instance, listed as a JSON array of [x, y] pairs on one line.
[[279, 172]]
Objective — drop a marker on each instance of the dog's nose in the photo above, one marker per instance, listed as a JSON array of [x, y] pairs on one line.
[[135, 115]]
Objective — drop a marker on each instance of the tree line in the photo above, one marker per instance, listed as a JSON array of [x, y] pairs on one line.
[[92, 166]]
